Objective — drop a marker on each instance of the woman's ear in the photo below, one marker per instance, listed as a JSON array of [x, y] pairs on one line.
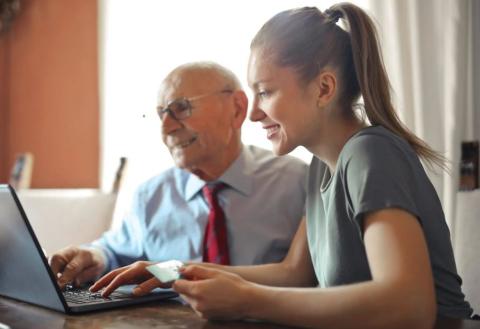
[[240, 102], [326, 87]]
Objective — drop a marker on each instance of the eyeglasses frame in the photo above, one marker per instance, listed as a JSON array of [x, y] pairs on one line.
[[161, 112]]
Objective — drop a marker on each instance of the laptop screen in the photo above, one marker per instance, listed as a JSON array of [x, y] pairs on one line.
[[25, 274], [24, 270]]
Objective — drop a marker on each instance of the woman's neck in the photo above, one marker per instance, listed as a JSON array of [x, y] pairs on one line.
[[333, 139]]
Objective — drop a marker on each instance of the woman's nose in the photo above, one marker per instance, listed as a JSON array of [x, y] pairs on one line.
[[256, 114]]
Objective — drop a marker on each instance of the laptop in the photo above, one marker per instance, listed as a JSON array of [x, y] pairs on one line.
[[26, 276]]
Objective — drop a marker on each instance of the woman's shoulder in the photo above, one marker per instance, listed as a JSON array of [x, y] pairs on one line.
[[376, 141]]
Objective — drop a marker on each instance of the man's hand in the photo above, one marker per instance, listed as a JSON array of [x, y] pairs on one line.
[[135, 273], [77, 265]]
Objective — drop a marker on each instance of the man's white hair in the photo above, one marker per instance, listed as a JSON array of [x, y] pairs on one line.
[[231, 80]]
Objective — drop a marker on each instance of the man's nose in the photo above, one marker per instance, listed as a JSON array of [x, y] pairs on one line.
[[170, 124]]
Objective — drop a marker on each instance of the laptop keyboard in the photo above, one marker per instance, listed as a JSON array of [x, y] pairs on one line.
[[83, 296]]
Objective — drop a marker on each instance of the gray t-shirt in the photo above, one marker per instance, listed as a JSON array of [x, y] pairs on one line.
[[376, 170]]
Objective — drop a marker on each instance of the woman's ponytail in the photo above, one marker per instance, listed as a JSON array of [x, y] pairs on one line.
[[373, 80]]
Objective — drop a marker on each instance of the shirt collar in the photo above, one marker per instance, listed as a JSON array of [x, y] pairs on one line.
[[238, 176]]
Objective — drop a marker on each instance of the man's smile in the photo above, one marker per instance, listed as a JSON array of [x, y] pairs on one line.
[[185, 143]]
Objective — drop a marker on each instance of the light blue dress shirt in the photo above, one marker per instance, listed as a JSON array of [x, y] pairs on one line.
[[263, 205]]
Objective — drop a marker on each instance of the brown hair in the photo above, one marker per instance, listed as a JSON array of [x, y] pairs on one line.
[[308, 40]]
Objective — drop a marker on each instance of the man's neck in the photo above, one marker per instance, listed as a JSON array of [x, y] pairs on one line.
[[213, 171]]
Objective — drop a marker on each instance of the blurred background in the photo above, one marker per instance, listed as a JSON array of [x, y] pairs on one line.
[[79, 79]]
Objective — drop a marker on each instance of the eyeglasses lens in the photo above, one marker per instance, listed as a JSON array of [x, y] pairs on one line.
[[179, 109]]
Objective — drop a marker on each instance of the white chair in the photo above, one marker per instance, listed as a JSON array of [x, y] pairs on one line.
[[67, 216], [466, 242]]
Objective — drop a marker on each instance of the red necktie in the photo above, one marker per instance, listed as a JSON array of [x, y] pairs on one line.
[[215, 245]]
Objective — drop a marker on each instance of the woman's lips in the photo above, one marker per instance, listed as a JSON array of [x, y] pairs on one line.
[[271, 130]]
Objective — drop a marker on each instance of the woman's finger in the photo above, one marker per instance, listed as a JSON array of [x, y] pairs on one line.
[[147, 286], [106, 279], [198, 272], [182, 287]]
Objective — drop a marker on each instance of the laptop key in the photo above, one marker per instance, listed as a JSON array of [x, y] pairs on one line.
[[81, 296]]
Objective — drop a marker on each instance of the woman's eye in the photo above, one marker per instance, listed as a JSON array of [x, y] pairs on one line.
[[263, 93]]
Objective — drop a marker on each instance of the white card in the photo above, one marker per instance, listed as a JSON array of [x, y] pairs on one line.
[[166, 271]]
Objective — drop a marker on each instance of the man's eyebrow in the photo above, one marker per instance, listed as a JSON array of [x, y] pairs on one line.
[[160, 106]]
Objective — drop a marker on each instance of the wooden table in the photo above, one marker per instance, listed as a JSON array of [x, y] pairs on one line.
[[169, 314]]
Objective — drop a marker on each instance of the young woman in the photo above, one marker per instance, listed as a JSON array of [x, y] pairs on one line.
[[374, 250]]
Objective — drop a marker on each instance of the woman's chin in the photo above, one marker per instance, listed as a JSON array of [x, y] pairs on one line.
[[280, 150]]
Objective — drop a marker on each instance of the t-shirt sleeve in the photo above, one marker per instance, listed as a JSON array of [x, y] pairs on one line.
[[378, 174]]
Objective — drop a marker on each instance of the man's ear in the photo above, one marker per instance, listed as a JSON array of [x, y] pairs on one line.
[[326, 87], [240, 102]]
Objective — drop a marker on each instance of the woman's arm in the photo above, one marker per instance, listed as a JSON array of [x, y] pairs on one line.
[[295, 270], [400, 294]]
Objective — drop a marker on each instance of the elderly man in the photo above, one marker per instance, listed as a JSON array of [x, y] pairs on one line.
[[224, 202]]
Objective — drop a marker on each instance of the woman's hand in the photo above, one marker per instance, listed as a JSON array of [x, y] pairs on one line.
[[213, 293], [135, 273]]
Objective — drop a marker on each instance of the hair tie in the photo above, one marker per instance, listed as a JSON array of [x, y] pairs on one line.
[[333, 15]]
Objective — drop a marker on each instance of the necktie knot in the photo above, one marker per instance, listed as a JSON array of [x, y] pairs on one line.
[[210, 192]]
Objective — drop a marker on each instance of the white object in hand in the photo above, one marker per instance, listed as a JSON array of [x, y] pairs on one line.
[[166, 271]]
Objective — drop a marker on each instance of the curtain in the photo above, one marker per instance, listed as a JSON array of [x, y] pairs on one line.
[[428, 52]]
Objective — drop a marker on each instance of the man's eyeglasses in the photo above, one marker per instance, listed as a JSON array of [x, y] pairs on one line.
[[181, 108]]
